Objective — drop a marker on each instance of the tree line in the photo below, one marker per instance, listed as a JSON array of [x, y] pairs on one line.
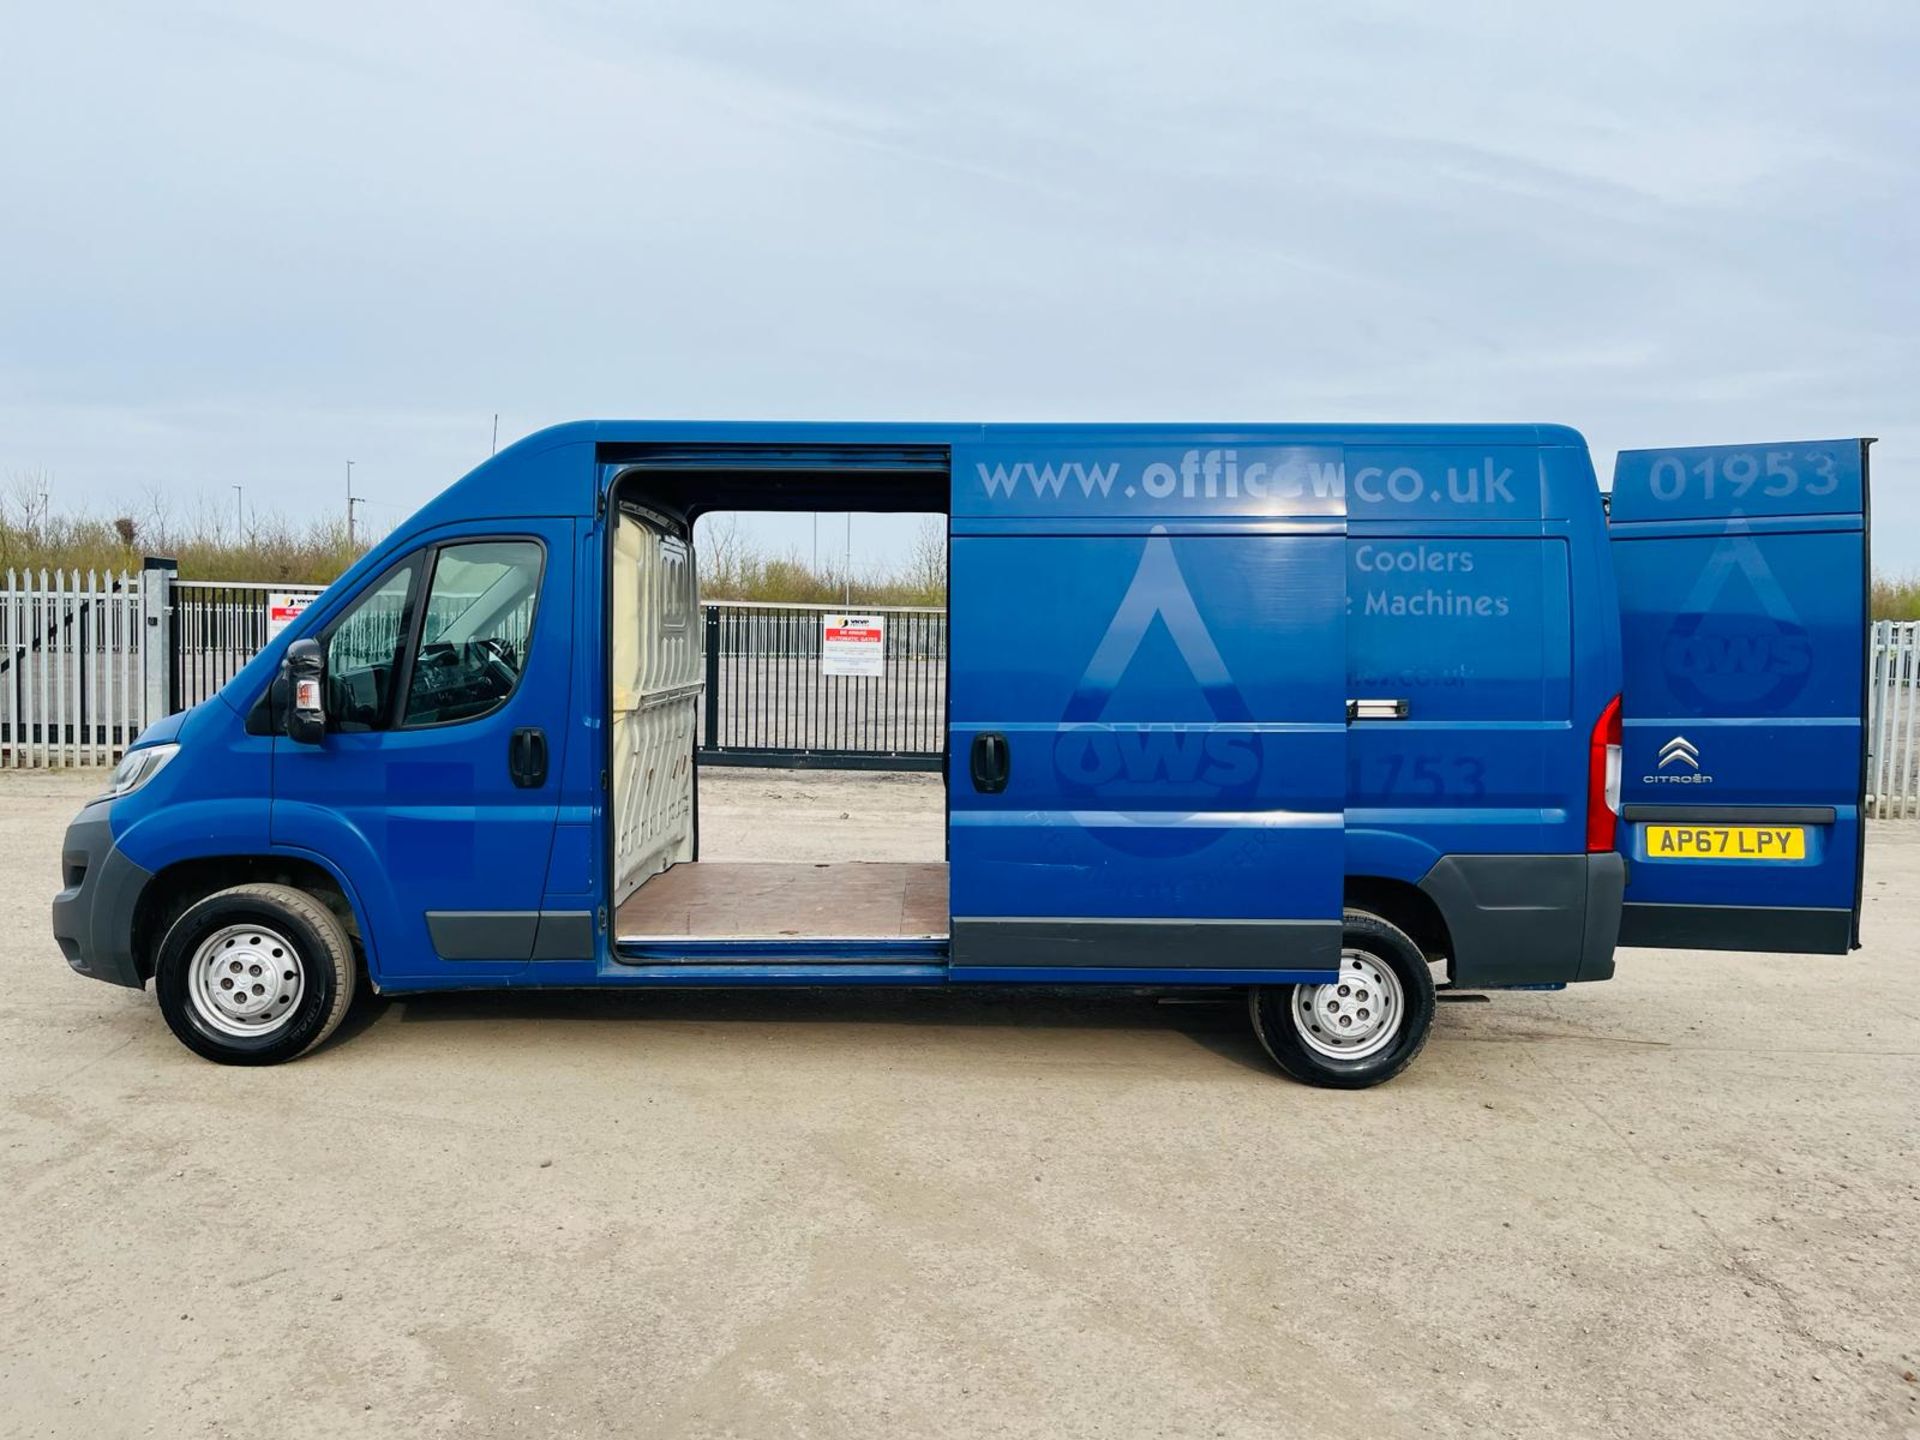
[[210, 543], [213, 543]]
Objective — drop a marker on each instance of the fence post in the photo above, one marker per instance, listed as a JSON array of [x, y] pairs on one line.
[[157, 574], [713, 677]]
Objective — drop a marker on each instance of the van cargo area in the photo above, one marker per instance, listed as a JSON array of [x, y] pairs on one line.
[[671, 906], [771, 900]]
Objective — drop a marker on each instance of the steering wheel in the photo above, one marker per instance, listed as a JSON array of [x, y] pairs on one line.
[[497, 658]]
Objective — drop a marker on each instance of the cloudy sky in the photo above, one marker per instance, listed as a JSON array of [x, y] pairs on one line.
[[241, 245]]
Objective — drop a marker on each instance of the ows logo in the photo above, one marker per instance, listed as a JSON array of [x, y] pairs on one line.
[[1736, 640], [1110, 765]]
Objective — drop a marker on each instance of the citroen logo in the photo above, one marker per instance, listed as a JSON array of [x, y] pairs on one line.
[[1680, 751]]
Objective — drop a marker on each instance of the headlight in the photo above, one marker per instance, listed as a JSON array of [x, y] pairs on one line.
[[137, 769]]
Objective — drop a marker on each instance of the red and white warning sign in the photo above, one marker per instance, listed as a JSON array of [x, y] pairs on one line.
[[283, 609], [853, 645]]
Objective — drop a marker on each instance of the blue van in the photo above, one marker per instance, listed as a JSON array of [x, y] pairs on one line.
[[1316, 713]]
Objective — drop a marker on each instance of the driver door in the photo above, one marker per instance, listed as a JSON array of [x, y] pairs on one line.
[[436, 785]]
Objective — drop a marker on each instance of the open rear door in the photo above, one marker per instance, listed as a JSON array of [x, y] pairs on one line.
[[1743, 576]]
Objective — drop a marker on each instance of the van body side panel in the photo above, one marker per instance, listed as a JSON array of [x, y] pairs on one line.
[[1153, 631], [1470, 572], [1743, 577]]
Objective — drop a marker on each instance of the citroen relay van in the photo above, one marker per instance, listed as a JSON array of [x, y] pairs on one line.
[[1321, 715]]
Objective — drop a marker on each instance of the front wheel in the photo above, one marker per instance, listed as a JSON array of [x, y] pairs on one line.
[[1361, 1029], [254, 975]]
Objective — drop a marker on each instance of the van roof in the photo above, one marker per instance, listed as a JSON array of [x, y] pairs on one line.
[[543, 472], [854, 432]]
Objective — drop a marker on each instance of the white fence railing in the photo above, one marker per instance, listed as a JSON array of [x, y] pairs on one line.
[[1893, 718], [73, 667], [87, 660]]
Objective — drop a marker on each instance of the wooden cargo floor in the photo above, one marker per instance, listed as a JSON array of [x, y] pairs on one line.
[[755, 900]]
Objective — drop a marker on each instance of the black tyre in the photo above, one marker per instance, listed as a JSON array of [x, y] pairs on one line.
[[254, 975], [1362, 1029]]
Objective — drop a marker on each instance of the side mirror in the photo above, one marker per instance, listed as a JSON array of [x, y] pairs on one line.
[[307, 669]]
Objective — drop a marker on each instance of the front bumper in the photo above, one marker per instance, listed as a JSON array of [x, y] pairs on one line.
[[93, 913]]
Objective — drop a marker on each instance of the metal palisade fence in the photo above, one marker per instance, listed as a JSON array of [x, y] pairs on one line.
[[87, 660], [73, 665], [1893, 718], [771, 698], [213, 628]]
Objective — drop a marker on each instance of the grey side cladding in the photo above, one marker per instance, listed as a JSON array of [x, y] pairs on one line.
[[1099, 942], [511, 934], [564, 935], [1529, 919], [483, 934]]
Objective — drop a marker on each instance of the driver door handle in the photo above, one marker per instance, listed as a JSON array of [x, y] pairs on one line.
[[527, 757]]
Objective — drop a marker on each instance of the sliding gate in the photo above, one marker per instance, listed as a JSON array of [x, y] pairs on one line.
[[792, 685]]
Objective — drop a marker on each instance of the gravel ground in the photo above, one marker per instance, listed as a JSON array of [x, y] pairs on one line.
[[1683, 1203]]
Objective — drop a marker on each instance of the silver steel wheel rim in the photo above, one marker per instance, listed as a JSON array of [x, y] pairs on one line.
[[1356, 1016], [245, 981]]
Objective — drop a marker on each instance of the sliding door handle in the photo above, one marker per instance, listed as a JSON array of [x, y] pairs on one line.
[[991, 762]]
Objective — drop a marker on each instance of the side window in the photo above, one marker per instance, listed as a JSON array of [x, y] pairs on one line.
[[363, 653], [474, 636]]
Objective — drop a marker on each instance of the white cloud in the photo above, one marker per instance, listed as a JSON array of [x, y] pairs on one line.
[[243, 242]]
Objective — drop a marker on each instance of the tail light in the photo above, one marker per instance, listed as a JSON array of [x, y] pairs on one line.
[[1603, 779]]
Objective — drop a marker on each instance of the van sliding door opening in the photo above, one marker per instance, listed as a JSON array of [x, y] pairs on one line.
[[776, 706]]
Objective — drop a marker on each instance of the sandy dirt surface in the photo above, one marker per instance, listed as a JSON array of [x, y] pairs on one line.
[[1684, 1203]]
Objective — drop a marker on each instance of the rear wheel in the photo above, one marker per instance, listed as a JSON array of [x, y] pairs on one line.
[[254, 975], [1361, 1029]]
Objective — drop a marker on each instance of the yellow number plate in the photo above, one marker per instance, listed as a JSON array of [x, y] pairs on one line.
[[1726, 842]]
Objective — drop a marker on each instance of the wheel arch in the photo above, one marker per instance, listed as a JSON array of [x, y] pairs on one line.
[[177, 887], [1406, 907]]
